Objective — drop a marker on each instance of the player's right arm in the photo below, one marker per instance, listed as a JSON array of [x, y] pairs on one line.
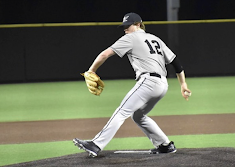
[[171, 58], [181, 76], [183, 84]]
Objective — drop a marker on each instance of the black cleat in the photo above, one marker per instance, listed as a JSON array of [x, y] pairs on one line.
[[170, 148], [88, 146]]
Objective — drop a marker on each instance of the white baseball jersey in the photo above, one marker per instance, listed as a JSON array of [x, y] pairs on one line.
[[146, 52]]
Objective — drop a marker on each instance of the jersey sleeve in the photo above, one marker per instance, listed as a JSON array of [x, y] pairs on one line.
[[168, 54], [122, 45]]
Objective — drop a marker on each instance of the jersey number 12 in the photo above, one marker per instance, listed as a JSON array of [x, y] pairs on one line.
[[156, 45]]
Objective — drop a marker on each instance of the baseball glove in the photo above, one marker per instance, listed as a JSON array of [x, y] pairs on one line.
[[94, 84]]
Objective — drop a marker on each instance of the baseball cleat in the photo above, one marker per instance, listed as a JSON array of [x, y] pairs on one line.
[[88, 146], [170, 148]]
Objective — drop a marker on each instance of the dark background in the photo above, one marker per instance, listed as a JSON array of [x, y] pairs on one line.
[[64, 11], [34, 54]]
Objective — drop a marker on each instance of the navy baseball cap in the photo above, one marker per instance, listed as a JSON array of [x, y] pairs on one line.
[[130, 18]]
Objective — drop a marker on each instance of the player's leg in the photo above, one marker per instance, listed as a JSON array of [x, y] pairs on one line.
[[132, 102], [147, 125]]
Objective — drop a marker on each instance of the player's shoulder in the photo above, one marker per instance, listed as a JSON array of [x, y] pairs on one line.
[[152, 35], [127, 36]]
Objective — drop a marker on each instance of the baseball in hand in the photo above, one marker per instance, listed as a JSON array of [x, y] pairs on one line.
[[187, 93]]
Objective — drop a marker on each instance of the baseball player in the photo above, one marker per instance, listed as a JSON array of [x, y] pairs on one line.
[[148, 56]]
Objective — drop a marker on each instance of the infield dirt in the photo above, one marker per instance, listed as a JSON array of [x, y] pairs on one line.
[[60, 130]]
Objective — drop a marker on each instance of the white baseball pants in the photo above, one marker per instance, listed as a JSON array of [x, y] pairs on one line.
[[138, 102]]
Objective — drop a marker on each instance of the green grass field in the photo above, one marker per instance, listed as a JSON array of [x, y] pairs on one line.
[[71, 100]]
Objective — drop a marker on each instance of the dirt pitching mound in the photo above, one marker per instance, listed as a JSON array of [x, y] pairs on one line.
[[183, 157]]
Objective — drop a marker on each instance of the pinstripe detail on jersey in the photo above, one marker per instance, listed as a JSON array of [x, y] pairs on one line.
[[119, 110]]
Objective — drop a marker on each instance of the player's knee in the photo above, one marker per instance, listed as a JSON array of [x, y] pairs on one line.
[[136, 117]]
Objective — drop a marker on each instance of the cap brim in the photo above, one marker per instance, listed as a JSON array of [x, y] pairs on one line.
[[125, 24]]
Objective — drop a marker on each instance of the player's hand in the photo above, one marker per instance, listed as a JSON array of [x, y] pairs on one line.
[[186, 93]]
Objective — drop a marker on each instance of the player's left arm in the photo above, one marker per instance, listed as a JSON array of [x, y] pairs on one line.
[[181, 78], [100, 59]]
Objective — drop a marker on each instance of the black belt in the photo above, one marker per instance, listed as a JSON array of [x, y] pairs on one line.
[[155, 75], [152, 74]]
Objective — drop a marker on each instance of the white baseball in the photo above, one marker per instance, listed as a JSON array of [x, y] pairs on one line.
[[187, 93]]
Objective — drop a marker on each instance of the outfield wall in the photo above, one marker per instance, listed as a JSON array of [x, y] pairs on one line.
[[41, 52]]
